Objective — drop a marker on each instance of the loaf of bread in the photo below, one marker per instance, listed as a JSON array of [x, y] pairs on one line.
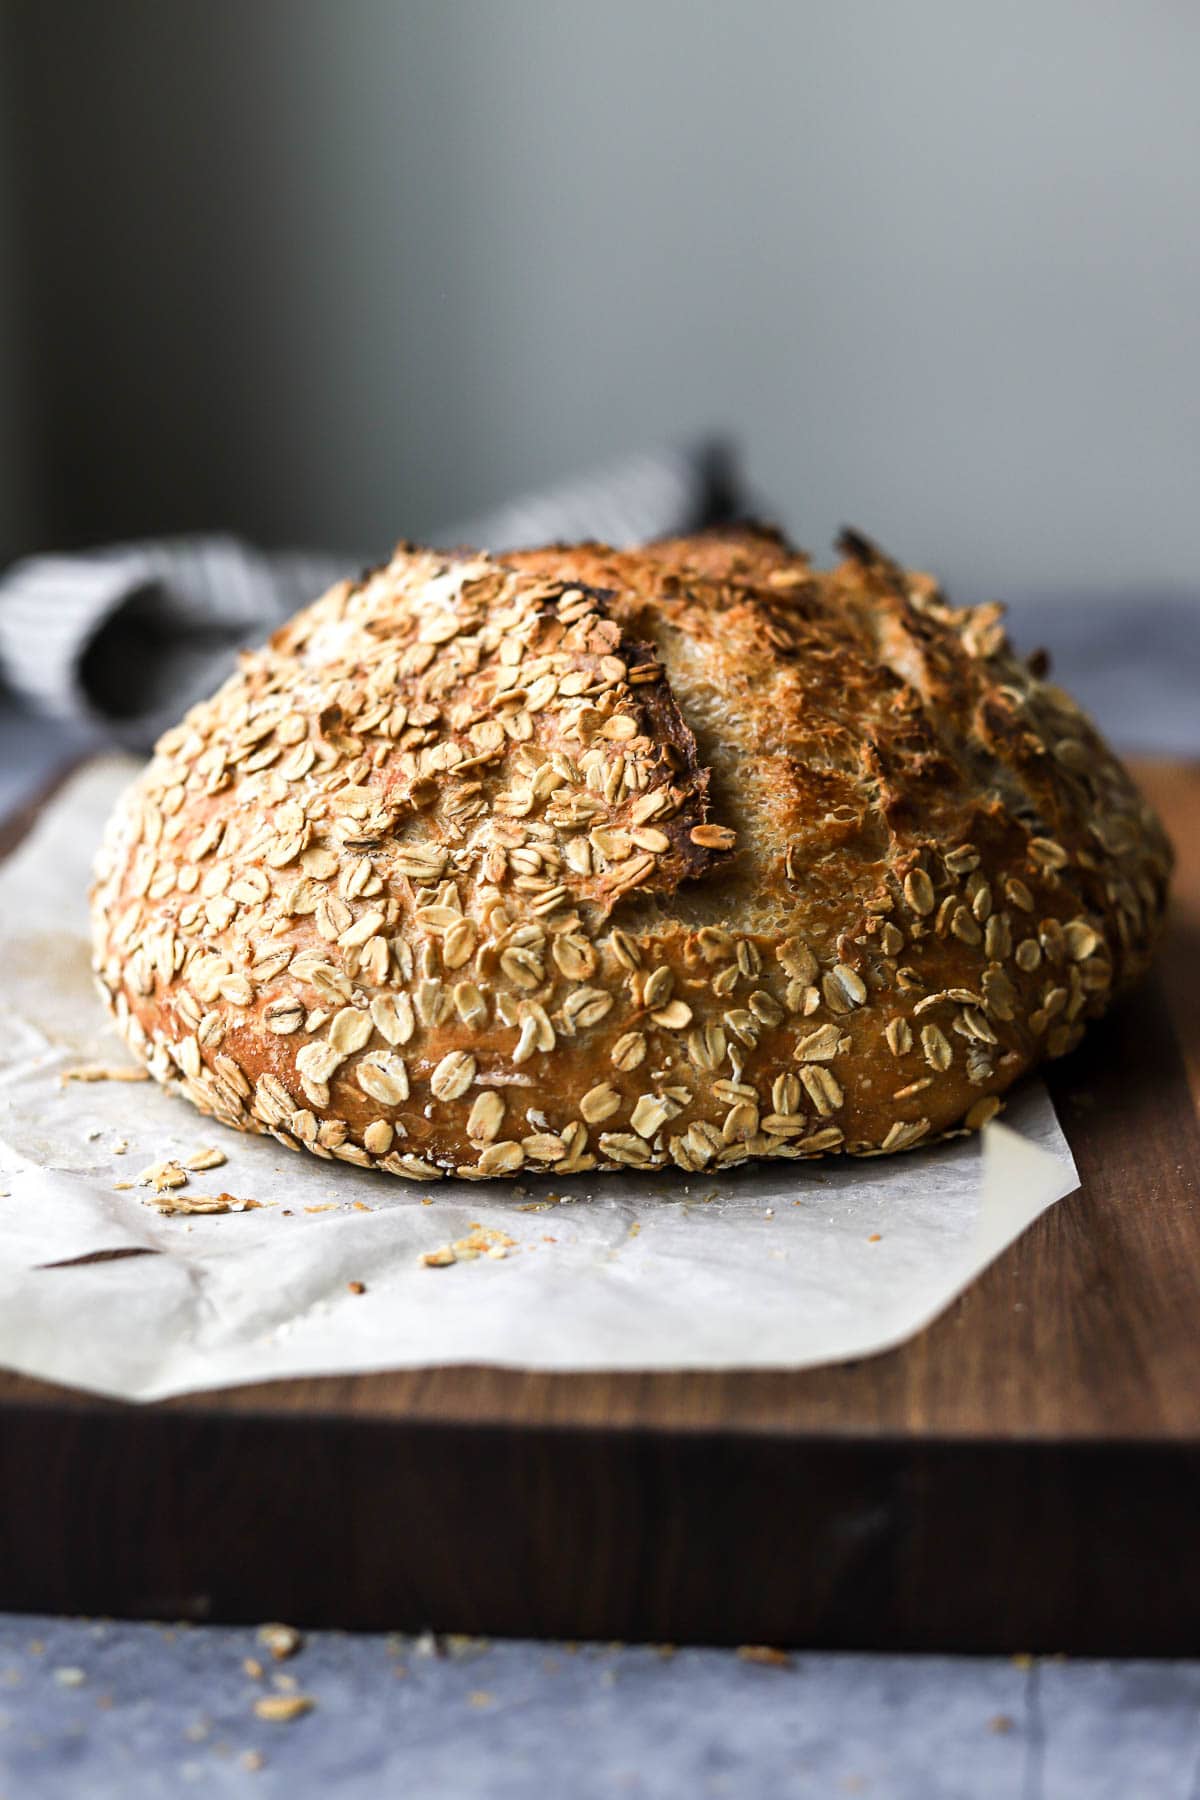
[[588, 859]]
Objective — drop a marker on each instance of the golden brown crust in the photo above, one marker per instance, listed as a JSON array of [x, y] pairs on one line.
[[597, 859]]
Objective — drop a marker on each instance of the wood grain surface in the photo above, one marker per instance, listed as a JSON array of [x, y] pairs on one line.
[[1024, 1474]]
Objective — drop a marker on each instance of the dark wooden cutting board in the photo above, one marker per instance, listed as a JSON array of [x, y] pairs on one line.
[[1023, 1475]]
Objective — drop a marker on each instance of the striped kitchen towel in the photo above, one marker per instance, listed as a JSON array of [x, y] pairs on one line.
[[125, 638]]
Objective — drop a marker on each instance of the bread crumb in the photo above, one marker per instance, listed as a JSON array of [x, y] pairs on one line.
[[766, 1654], [281, 1709], [252, 1667], [1001, 1724], [356, 1287], [875, 1238], [481, 1697], [281, 1640], [252, 1760], [70, 1678]]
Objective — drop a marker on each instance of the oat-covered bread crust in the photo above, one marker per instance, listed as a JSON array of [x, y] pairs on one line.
[[590, 859]]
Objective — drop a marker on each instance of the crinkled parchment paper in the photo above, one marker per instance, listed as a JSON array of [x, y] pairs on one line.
[[784, 1265]]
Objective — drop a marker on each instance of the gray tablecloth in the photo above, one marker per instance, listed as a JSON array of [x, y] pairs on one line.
[[122, 1712]]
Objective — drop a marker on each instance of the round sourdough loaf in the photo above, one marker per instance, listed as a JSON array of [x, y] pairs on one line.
[[591, 859]]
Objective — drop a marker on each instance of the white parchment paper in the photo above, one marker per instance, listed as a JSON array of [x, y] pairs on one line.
[[784, 1265]]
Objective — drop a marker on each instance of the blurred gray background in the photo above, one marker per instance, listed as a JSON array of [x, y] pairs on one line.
[[326, 272]]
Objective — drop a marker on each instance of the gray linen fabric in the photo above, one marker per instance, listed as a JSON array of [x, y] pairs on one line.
[[125, 638], [116, 643]]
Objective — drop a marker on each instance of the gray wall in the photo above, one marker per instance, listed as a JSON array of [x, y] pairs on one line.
[[334, 270]]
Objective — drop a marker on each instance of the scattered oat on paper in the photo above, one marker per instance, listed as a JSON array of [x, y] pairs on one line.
[[199, 1160], [89, 1072], [201, 1203], [481, 1240], [163, 1175]]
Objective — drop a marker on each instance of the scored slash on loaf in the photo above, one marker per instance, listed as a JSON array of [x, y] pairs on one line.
[[597, 859]]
